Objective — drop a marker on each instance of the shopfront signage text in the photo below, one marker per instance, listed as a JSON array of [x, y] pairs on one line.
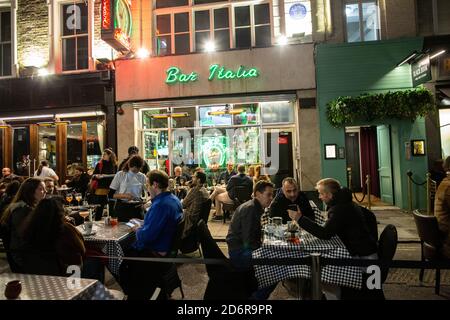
[[421, 71], [216, 72]]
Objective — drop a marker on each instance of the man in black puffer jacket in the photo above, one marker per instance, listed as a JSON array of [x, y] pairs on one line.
[[345, 220]]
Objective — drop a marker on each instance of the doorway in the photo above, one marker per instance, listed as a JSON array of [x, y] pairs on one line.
[[368, 153]]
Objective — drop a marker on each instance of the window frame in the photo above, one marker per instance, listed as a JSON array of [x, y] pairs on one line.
[[435, 23], [211, 7], [361, 21], [57, 62], [11, 42], [172, 12]]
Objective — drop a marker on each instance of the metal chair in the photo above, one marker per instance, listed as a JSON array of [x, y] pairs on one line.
[[431, 243]]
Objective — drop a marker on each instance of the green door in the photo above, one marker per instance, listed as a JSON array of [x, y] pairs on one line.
[[385, 164]]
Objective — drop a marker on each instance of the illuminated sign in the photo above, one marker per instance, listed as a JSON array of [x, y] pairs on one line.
[[116, 24], [216, 72], [106, 14]]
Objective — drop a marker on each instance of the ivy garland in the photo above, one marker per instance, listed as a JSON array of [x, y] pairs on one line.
[[407, 104]]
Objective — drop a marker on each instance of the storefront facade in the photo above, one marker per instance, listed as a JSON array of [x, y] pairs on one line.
[[63, 119], [385, 146], [209, 109]]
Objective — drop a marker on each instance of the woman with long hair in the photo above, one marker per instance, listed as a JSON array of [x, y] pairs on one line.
[[51, 241], [101, 179], [44, 171], [30, 193], [258, 176]]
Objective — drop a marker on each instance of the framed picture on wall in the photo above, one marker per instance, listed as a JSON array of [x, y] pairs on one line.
[[418, 147], [330, 151]]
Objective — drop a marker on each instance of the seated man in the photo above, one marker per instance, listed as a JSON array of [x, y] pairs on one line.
[[7, 175], [228, 197], [153, 239], [244, 234], [193, 201], [226, 176], [442, 213], [345, 220], [290, 195], [50, 188], [180, 177]]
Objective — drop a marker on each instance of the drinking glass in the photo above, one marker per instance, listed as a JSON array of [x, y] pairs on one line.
[[69, 198], [78, 197]]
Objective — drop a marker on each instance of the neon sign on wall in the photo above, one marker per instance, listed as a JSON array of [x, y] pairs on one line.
[[216, 72]]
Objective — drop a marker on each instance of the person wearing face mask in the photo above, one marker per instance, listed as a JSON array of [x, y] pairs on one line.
[[127, 187]]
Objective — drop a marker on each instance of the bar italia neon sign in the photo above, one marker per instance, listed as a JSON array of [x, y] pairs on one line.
[[216, 72]]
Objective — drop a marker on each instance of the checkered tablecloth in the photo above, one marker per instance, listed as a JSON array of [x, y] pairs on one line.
[[39, 287], [333, 248], [111, 241]]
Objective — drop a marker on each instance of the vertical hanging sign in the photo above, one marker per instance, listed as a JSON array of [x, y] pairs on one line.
[[116, 24]]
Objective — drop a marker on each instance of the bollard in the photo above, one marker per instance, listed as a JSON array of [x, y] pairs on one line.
[[349, 178], [409, 174], [428, 193], [315, 277], [369, 205]]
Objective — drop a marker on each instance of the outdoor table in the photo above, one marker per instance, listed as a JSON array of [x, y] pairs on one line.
[[348, 276], [111, 241], [40, 287]]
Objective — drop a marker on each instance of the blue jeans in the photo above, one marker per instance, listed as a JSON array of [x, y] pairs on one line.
[[241, 260]]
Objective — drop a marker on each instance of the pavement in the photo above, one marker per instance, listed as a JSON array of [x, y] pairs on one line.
[[401, 284]]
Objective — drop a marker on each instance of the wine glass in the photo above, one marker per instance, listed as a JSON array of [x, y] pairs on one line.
[[84, 214], [78, 197], [69, 198]]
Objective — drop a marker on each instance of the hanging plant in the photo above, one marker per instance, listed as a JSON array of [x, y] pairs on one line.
[[407, 104]]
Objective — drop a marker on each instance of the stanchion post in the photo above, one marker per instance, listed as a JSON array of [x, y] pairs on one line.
[[315, 277], [428, 193], [349, 178], [410, 201], [369, 205]]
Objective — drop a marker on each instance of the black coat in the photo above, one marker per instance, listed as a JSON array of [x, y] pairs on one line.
[[346, 221], [279, 206], [239, 180]]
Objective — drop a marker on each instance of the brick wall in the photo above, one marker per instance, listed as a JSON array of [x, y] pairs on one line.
[[32, 32]]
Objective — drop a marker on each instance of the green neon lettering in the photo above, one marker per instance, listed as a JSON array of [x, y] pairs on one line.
[[221, 73], [183, 78], [172, 75], [253, 73], [212, 71], [240, 74], [230, 74]]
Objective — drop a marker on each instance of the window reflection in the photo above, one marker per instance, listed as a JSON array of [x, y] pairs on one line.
[[74, 147], [47, 145]]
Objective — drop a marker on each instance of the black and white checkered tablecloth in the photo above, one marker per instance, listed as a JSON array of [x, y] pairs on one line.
[[111, 241], [39, 287], [333, 248]]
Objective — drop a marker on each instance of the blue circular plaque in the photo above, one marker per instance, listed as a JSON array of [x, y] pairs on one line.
[[297, 11]]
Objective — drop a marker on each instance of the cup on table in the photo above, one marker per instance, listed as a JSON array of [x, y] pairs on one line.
[[13, 289], [87, 227], [113, 221], [278, 221], [269, 230]]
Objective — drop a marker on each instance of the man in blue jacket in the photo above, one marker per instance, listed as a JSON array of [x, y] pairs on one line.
[[154, 238]]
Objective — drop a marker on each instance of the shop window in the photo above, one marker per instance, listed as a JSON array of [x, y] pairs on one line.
[[173, 34], [155, 118], [75, 36], [94, 143], [211, 116], [433, 17], [277, 112], [171, 3], [156, 149], [183, 117], [74, 147], [5, 44], [252, 26], [248, 116], [1, 147], [298, 20], [47, 145], [362, 20], [21, 150]]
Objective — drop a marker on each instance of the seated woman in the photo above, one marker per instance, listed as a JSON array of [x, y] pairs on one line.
[[52, 243], [44, 171], [30, 193], [127, 187], [258, 176]]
